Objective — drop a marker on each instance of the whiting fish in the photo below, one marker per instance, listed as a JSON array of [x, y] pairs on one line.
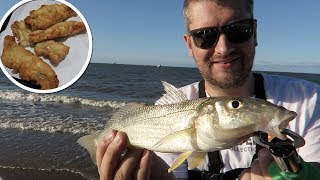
[[192, 127]]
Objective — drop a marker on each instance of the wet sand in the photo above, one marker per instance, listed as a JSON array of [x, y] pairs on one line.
[[31, 174]]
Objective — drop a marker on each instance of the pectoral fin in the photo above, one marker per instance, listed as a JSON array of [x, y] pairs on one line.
[[196, 159], [171, 140], [179, 160]]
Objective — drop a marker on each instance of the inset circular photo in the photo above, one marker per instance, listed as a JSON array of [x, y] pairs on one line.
[[45, 45]]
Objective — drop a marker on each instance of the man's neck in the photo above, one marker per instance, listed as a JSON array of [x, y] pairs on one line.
[[247, 89]]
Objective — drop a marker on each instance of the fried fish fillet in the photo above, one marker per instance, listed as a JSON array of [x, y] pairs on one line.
[[29, 66], [21, 30], [48, 15], [58, 30], [54, 51]]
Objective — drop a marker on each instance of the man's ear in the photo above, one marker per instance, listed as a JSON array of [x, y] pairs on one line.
[[188, 41]]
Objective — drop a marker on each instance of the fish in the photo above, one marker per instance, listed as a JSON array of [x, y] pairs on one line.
[[175, 124]]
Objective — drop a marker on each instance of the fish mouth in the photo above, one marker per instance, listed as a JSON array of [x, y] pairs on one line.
[[284, 117], [289, 116]]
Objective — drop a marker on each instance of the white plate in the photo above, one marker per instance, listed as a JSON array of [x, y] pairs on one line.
[[72, 67]]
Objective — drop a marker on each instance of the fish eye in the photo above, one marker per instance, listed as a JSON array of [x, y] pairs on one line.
[[235, 104]]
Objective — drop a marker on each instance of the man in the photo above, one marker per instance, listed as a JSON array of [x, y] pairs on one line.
[[222, 38]]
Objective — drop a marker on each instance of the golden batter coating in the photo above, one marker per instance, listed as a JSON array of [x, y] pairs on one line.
[[54, 51], [29, 66], [48, 15], [21, 31], [58, 30]]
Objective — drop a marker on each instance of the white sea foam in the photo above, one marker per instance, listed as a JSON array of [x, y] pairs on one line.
[[25, 114], [20, 95], [52, 125]]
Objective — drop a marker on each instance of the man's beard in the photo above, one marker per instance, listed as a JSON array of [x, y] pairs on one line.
[[229, 80]]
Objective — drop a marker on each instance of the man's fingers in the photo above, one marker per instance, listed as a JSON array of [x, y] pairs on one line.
[[245, 174], [259, 167], [129, 164], [102, 147], [136, 163], [256, 172], [144, 169], [112, 155], [265, 159]]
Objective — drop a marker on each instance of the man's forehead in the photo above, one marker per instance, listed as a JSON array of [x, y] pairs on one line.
[[209, 13]]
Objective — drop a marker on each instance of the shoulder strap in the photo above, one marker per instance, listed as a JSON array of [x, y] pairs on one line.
[[202, 91], [259, 86]]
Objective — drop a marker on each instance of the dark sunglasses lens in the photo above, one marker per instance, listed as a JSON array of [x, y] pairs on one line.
[[239, 32], [205, 39]]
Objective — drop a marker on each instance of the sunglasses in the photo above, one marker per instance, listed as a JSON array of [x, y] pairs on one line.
[[236, 32]]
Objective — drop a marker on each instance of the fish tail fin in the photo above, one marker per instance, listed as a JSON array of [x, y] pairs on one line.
[[89, 142]]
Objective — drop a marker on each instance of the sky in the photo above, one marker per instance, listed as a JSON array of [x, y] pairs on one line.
[[148, 32]]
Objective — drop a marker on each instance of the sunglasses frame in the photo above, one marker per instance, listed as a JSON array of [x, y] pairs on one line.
[[220, 30]]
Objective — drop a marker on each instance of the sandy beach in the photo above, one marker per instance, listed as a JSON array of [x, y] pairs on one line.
[[30, 174]]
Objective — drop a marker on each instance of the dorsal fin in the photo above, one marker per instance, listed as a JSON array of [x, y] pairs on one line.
[[173, 95]]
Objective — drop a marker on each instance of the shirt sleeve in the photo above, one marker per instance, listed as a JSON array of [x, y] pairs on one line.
[[310, 151]]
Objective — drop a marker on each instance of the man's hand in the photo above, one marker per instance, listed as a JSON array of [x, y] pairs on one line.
[[135, 164], [259, 167]]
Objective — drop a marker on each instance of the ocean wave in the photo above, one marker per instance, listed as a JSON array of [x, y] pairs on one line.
[[69, 125], [21, 95]]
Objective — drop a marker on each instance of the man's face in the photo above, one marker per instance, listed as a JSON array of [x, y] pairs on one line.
[[227, 64]]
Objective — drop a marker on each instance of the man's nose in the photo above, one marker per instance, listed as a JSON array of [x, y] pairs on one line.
[[223, 45]]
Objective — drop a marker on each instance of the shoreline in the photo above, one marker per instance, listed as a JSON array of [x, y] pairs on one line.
[[33, 174]]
